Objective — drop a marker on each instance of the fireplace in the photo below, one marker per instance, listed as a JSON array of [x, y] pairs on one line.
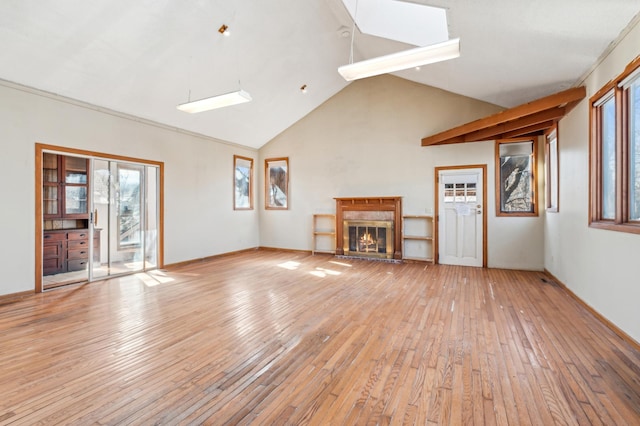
[[370, 238], [369, 227]]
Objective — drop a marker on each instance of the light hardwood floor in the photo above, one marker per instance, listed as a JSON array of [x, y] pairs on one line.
[[268, 337]]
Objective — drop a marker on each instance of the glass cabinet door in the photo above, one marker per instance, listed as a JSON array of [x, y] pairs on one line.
[[51, 186], [75, 187]]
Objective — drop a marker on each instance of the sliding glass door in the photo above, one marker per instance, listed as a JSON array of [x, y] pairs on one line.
[[124, 218]]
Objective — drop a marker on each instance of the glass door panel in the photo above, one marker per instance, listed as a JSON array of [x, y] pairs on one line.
[[100, 219], [125, 216], [151, 217], [126, 230]]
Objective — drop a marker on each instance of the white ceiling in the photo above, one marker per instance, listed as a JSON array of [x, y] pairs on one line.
[[144, 57]]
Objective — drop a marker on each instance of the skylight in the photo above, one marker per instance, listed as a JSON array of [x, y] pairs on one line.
[[409, 23]]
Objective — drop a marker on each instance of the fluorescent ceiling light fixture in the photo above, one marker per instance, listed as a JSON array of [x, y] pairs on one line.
[[214, 102], [402, 60]]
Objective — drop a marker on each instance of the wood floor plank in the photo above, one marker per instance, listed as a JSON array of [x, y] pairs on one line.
[[270, 337]]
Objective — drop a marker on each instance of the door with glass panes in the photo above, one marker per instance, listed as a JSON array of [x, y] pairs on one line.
[[460, 224]]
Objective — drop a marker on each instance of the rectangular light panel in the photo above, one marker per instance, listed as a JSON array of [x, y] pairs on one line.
[[401, 60], [214, 102]]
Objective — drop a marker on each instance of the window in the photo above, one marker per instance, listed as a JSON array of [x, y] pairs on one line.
[[276, 182], [242, 183], [515, 177], [460, 192], [615, 153], [551, 169]]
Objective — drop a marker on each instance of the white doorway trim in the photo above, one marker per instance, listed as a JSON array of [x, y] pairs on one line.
[[436, 224]]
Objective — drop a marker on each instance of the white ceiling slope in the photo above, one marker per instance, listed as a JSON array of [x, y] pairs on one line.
[[145, 57]]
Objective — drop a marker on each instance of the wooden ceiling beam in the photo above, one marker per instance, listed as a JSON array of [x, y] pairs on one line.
[[510, 126], [533, 130], [553, 102]]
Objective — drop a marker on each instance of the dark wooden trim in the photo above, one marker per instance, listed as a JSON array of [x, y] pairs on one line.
[[39, 219], [393, 204], [622, 149], [619, 332], [101, 155], [552, 107], [436, 214]]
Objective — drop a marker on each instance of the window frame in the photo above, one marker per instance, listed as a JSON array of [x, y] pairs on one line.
[[615, 88], [270, 164], [237, 163], [534, 177], [552, 203]]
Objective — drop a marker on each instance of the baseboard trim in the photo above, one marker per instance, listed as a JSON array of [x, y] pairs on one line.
[[284, 250], [5, 299], [206, 259], [617, 330]]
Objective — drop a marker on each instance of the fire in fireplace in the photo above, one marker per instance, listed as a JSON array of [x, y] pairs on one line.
[[368, 238]]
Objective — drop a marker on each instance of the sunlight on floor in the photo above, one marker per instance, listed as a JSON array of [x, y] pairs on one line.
[[154, 278], [323, 272], [291, 265]]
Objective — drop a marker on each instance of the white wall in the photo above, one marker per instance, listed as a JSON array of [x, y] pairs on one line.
[[599, 266], [199, 216], [365, 141]]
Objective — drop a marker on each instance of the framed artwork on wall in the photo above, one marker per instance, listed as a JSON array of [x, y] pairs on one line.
[[516, 178], [276, 182], [242, 183]]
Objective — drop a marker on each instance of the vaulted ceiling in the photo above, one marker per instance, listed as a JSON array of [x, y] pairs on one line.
[[145, 57]]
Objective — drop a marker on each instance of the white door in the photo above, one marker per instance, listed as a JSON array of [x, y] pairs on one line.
[[460, 231]]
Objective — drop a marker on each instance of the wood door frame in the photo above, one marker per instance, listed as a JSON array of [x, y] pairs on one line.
[[39, 149], [436, 214]]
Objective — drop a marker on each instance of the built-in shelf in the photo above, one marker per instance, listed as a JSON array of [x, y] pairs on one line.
[[417, 228], [324, 230]]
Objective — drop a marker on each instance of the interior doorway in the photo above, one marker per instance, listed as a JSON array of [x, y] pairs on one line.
[[99, 215], [461, 225]]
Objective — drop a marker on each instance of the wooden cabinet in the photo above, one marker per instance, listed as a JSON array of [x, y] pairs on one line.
[[52, 252], [67, 250], [324, 228], [65, 187], [65, 209], [417, 238]]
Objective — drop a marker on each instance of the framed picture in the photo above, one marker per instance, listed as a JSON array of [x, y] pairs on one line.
[[516, 179], [242, 183], [276, 182]]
